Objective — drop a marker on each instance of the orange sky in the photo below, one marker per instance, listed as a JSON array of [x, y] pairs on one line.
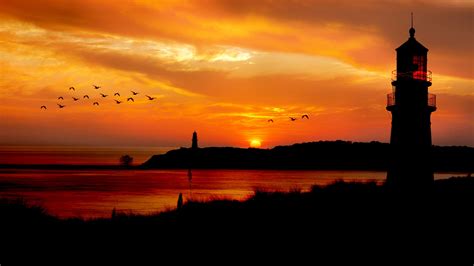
[[223, 68]]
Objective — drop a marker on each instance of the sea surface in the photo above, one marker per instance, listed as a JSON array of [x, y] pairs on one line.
[[75, 155], [94, 193]]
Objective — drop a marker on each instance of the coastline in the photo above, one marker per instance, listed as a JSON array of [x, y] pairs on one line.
[[98, 167], [321, 155], [370, 198]]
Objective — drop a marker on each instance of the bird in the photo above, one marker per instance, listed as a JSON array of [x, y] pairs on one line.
[[292, 119], [43, 107], [96, 103], [118, 102], [96, 87], [270, 120], [75, 99], [130, 99], [86, 96], [61, 106], [103, 95], [116, 94], [134, 93], [72, 88], [60, 98], [150, 98], [305, 116]]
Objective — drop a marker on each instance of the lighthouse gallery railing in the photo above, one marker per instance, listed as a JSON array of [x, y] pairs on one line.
[[418, 75], [392, 101]]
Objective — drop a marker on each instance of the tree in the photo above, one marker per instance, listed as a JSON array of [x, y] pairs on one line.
[[126, 160]]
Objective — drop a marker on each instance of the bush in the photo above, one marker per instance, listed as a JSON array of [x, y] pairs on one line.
[[126, 160]]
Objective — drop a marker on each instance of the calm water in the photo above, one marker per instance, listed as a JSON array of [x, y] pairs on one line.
[[75, 155], [93, 193]]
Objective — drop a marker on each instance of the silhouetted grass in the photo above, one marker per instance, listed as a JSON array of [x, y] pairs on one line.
[[17, 212], [336, 193], [341, 210]]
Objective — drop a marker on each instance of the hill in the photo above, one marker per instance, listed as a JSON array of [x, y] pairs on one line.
[[334, 155]]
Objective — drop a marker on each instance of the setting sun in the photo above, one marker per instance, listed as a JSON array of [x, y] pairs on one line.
[[255, 143]]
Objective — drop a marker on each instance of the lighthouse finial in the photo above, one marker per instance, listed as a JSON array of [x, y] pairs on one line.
[[412, 30]]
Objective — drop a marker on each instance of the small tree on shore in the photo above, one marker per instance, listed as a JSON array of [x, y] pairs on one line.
[[126, 160]]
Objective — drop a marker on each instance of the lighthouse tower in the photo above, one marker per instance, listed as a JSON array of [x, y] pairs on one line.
[[195, 141], [411, 106]]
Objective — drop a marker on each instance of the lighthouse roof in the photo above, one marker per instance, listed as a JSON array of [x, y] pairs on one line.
[[412, 44]]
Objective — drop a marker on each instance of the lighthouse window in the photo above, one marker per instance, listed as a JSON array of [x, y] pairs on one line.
[[419, 71], [418, 63]]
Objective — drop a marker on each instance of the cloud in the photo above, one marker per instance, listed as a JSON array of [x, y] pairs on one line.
[[353, 31], [311, 79]]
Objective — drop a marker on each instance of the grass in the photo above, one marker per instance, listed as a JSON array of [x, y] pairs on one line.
[[341, 211], [19, 212], [337, 193]]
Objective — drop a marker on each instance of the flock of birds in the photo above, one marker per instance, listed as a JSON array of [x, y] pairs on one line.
[[96, 103], [134, 93], [292, 119]]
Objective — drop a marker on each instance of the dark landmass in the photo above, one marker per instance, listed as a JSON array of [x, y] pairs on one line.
[[324, 155], [341, 215]]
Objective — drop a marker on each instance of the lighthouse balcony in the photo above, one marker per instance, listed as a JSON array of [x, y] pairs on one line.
[[412, 75], [432, 100], [392, 101]]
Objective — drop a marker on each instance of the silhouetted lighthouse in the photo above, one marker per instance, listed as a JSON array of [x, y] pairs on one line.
[[194, 141], [411, 106]]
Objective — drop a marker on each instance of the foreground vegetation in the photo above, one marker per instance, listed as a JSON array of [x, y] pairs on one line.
[[336, 215], [322, 203]]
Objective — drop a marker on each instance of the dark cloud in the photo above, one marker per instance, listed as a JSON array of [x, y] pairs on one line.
[[446, 28]]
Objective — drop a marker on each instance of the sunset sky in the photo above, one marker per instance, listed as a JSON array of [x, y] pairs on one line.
[[223, 68]]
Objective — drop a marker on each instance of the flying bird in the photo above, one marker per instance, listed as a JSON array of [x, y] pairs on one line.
[[75, 99], [116, 94], [150, 98], [118, 102], [103, 95], [72, 88], [305, 116], [134, 93], [86, 96], [130, 99], [96, 87], [270, 120], [96, 103], [61, 106], [292, 119], [43, 107], [60, 98]]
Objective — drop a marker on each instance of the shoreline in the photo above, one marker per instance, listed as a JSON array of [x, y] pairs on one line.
[[141, 168], [321, 155], [338, 189]]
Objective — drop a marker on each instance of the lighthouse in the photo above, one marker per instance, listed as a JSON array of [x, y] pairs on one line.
[[194, 144], [411, 106]]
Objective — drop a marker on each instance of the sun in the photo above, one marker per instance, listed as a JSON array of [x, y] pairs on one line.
[[255, 143]]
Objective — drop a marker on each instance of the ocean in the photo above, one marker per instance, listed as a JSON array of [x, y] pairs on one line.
[[75, 155]]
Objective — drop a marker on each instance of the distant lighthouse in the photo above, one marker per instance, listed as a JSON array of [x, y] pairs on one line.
[[411, 106], [195, 141]]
